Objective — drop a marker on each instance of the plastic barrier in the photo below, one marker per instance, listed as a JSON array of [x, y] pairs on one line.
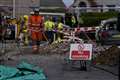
[[24, 71]]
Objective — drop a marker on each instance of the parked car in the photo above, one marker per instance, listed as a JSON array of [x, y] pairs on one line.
[[107, 32]]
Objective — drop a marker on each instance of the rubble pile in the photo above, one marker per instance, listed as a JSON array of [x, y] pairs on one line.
[[109, 56], [56, 48]]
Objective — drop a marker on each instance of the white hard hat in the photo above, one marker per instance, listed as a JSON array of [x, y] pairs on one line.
[[31, 13], [36, 10]]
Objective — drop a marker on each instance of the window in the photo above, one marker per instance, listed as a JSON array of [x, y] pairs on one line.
[[111, 7], [100, 7], [110, 25]]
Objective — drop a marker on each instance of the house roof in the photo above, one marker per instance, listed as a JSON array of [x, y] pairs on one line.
[[51, 3]]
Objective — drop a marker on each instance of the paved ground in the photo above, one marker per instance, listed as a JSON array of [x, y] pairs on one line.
[[54, 68]]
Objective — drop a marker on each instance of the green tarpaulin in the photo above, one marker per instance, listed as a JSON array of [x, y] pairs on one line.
[[24, 71], [28, 67], [7, 72], [30, 77]]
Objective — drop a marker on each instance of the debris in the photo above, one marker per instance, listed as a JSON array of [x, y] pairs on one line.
[[109, 56], [56, 48]]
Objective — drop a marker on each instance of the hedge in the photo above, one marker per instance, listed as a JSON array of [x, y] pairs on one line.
[[94, 18], [61, 10]]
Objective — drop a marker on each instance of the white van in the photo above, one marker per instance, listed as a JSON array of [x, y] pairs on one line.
[[107, 32]]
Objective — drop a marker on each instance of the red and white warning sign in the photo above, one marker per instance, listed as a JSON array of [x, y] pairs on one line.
[[80, 52]]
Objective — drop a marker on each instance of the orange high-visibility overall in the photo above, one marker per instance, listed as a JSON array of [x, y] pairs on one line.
[[35, 26]]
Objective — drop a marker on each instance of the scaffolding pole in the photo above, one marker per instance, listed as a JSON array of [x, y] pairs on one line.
[[14, 8]]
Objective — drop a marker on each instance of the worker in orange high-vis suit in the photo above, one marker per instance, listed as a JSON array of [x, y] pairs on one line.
[[35, 28]]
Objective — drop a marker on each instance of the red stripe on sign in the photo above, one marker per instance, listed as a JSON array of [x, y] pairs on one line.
[[80, 55], [75, 53]]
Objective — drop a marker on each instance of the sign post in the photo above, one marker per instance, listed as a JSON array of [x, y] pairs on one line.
[[81, 53]]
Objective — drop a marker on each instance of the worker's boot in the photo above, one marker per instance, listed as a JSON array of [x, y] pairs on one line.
[[37, 51], [26, 42], [34, 49]]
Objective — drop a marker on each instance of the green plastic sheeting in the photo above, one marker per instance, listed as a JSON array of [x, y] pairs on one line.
[[24, 71], [7, 72], [30, 77], [28, 67]]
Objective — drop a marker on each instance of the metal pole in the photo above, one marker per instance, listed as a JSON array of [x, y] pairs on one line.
[[13, 8], [39, 4]]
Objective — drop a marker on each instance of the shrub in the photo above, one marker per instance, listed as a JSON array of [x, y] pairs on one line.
[[94, 18]]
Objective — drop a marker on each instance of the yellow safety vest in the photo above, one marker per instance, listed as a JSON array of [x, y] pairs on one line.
[[49, 25], [60, 26], [25, 26], [18, 27]]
